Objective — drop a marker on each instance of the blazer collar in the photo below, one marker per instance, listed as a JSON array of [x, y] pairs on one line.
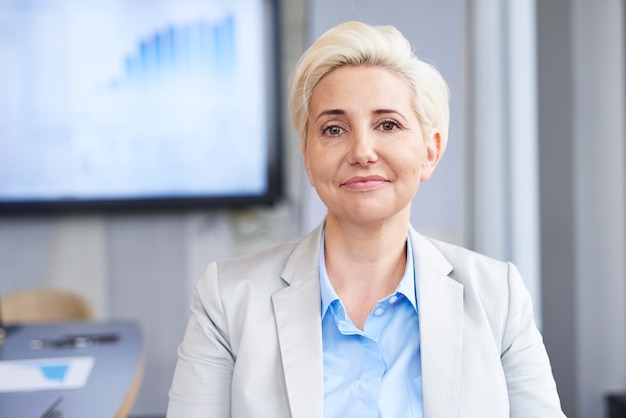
[[297, 310], [440, 305]]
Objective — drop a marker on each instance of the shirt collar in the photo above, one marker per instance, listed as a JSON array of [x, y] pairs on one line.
[[405, 287]]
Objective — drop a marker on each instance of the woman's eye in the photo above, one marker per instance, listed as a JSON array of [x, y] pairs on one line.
[[333, 130], [388, 125]]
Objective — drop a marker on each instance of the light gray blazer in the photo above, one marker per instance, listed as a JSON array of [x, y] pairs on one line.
[[253, 345]]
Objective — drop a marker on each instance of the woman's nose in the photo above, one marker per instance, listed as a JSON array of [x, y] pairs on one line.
[[362, 148]]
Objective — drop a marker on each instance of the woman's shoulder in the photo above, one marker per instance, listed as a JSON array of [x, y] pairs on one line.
[[290, 260], [270, 259], [492, 289], [477, 272], [456, 253]]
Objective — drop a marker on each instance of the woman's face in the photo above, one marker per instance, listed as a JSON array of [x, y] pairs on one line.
[[365, 153]]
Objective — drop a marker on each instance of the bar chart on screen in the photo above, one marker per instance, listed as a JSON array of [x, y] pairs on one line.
[[203, 49], [142, 99]]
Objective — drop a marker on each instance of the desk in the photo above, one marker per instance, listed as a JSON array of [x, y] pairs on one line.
[[114, 368]]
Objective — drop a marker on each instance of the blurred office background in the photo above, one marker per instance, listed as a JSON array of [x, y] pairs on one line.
[[534, 173]]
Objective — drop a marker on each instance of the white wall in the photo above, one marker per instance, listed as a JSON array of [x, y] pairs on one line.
[[599, 161], [502, 182], [581, 80]]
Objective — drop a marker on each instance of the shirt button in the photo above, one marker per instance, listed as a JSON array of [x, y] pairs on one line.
[[393, 299], [379, 311]]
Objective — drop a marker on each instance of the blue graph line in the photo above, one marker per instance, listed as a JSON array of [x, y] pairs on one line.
[[206, 49]]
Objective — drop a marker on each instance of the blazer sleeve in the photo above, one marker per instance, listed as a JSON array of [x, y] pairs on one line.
[[202, 379], [531, 387]]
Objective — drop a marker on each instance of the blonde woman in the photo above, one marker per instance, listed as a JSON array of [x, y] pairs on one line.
[[364, 317]]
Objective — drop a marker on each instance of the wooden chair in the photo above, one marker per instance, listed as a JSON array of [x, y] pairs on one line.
[[43, 305]]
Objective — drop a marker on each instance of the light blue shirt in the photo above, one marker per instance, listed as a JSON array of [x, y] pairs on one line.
[[376, 372]]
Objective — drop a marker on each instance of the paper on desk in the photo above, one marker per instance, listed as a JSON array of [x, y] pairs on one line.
[[47, 373]]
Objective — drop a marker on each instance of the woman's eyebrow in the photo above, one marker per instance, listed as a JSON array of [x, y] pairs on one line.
[[343, 112], [387, 111], [331, 112]]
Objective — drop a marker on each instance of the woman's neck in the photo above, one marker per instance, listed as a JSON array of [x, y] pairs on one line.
[[364, 264]]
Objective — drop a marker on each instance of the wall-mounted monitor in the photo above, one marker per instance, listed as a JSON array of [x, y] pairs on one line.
[[121, 104]]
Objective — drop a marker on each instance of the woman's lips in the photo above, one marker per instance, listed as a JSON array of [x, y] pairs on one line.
[[364, 183]]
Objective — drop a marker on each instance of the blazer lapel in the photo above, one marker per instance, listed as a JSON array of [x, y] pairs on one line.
[[440, 305], [297, 310]]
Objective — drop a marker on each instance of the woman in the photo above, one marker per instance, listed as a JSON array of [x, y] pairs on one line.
[[364, 316]]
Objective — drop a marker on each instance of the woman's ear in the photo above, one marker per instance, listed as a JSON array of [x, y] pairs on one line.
[[432, 157]]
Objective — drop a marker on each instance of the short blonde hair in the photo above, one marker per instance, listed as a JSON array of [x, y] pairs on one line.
[[356, 43]]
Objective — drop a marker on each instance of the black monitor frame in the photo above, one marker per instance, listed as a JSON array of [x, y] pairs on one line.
[[273, 194]]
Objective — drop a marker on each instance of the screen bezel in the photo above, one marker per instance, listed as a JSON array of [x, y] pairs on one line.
[[274, 172]]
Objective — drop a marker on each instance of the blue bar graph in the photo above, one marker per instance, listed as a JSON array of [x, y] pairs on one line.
[[205, 49]]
